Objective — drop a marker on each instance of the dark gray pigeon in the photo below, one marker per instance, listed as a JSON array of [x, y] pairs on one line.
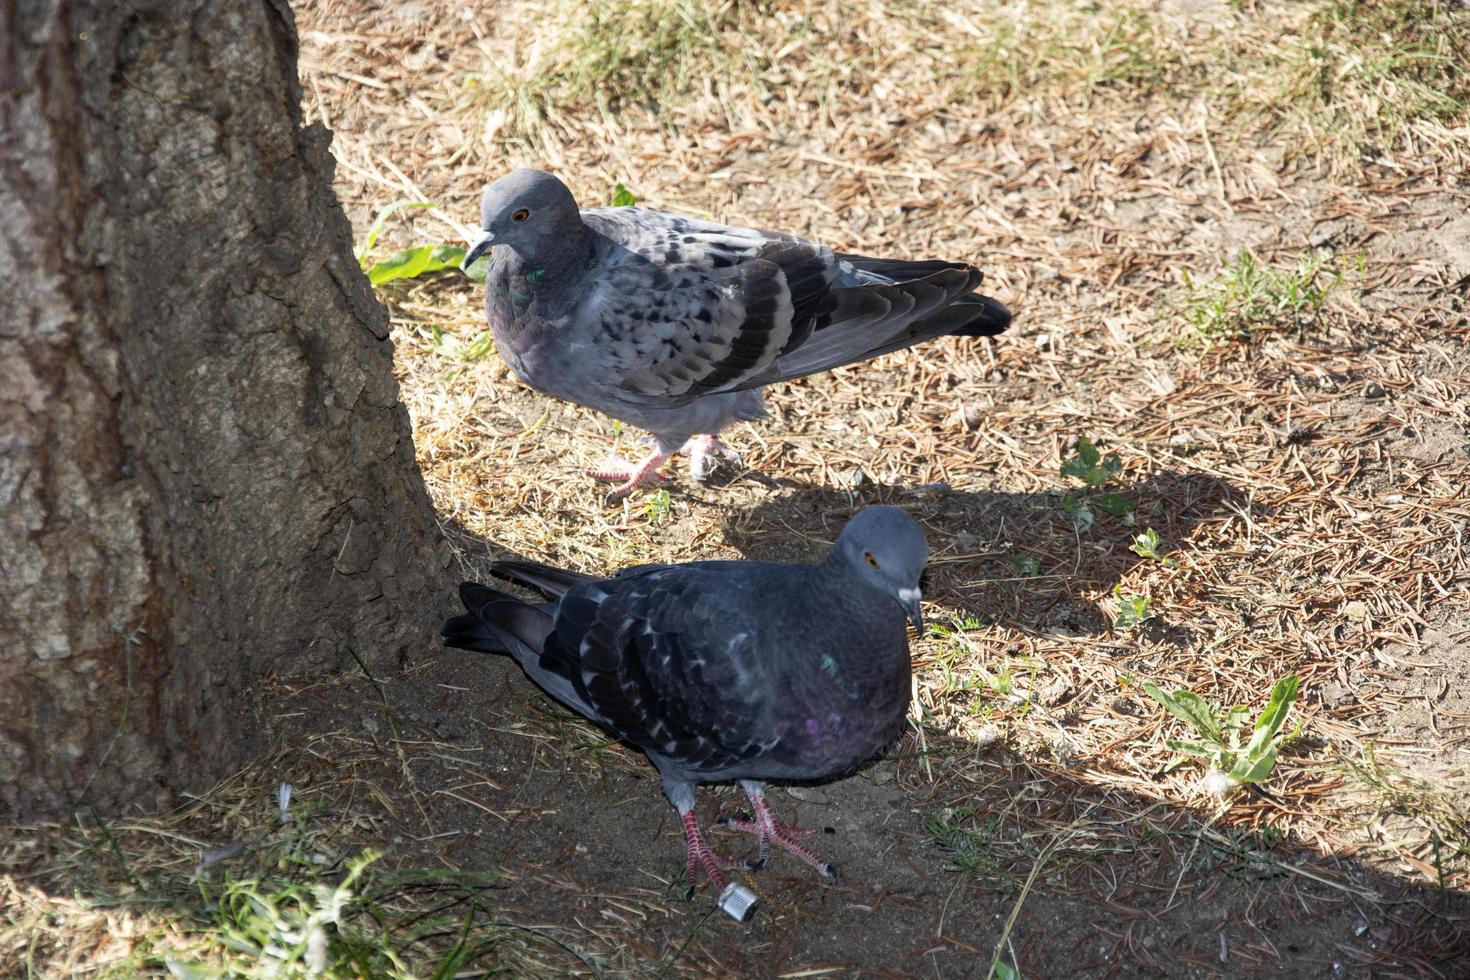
[[674, 325], [725, 670]]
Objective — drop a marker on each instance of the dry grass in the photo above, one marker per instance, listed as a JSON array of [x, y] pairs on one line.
[[1284, 182]]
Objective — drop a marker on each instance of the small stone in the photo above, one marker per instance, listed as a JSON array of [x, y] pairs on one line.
[[854, 477], [1373, 391]]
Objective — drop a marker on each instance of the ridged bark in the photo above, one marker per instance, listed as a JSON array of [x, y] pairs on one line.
[[206, 476]]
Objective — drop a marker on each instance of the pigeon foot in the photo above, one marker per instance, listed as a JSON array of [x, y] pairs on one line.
[[767, 828], [628, 475], [701, 855], [705, 452]]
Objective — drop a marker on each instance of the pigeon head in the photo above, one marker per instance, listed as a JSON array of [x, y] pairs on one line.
[[529, 210], [884, 547]]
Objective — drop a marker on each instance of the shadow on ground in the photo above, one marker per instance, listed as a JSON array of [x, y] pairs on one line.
[[938, 850], [1000, 557]]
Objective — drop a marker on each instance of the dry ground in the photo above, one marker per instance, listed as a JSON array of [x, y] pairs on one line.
[[1236, 240]]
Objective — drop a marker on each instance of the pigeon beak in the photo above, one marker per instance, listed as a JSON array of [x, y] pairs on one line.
[[481, 246], [909, 599]]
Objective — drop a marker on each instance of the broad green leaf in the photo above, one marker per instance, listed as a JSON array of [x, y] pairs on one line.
[[1200, 713], [622, 197], [1235, 717], [1254, 769], [1076, 468], [1192, 748], [1187, 707], [1146, 545], [1283, 696], [1087, 452], [414, 262], [478, 269], [1079, 513], [1115, 504]]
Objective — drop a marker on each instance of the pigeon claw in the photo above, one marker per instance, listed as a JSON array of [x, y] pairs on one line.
[[767, 830], [704, 455], [629, 475]]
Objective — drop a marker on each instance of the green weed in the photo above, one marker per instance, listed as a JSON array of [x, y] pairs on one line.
[[1146, 545], [448, 345], [1025, 565], [1095, 472], [656, 510], [1133, 610], [1248, 297], [1218, 731], [966, 840]]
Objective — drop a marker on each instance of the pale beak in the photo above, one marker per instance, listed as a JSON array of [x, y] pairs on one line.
[[481, 246], [909, 599]]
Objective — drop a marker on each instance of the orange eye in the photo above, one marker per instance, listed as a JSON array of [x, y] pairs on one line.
[[871, 560], [520, 215]]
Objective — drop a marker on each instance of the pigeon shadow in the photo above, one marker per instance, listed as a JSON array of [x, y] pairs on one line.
[[1027, 560]]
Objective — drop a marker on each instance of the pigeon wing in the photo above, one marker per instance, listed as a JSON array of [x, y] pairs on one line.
[[687, 308], [662, 662]]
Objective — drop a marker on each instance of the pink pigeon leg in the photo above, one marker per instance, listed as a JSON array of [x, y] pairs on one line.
[[767, 828], [701, 855], [630, 476]]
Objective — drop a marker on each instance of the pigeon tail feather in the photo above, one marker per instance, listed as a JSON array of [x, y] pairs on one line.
[[497, 622], [544, 578]]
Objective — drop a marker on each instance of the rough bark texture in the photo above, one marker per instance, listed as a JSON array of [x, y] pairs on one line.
[[206, 476]]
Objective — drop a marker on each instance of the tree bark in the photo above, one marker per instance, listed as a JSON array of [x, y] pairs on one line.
[[206, 477]]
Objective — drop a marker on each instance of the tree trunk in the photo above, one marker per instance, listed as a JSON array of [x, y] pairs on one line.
[[206, 476]]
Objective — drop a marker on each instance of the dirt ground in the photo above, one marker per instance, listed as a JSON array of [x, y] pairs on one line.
[[1235, 237]]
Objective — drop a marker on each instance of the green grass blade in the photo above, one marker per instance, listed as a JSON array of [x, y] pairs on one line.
[[382, 219]]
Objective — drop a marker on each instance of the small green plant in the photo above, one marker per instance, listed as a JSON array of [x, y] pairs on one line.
[[622, 197], [1248, 296], [1146, 545], [1219, 732], [657, 508], [299, 928], [1025, 565], [410, 263], [448, 345], [419, 260], [965, 840], [1095, 472], [1090, 467], [1133, 610]]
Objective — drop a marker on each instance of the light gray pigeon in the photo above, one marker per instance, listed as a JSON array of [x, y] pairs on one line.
[[725, 670], [673, 324]]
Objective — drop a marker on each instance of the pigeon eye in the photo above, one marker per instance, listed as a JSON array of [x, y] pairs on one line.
[[871, 560], [521, 214]]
